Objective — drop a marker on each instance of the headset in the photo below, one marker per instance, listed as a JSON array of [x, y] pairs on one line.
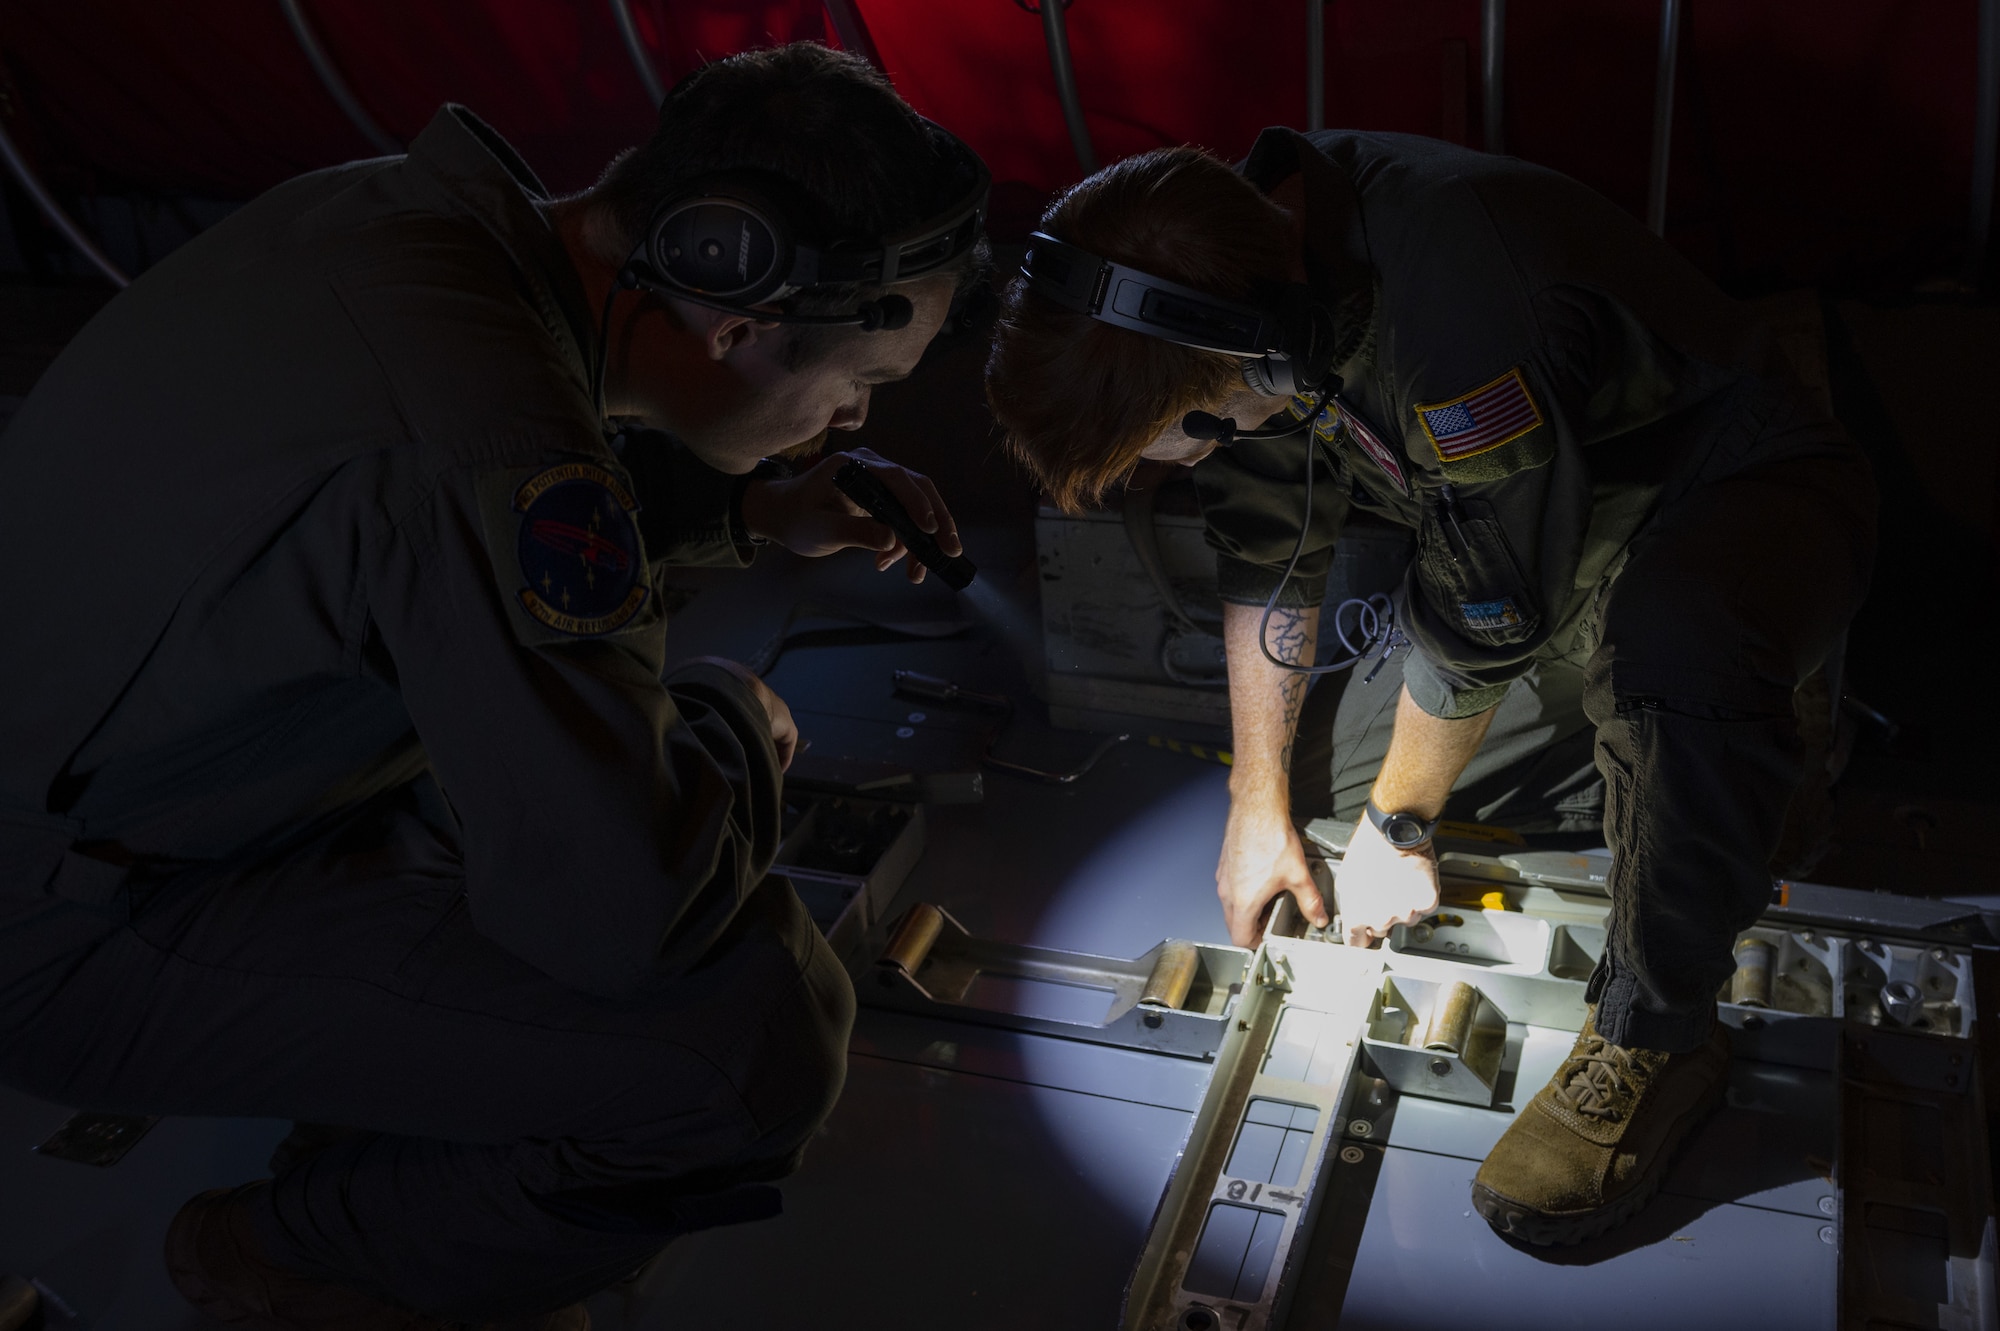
[[738, 240], [1287, 346], [1285, 342]]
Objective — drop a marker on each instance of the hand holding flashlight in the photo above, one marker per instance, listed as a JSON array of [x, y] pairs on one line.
[[859, 483], [815, 514]]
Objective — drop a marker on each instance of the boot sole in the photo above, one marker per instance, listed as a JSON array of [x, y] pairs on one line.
[[1518, 1221], [184, 1267]]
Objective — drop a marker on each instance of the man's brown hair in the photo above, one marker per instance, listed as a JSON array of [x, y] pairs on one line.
[[1078, 399]]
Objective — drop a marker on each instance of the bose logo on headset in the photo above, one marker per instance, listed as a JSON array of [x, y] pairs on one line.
[[738, 239], [1286, 346]]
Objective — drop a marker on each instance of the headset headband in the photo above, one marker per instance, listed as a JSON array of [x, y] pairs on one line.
[[744, 237], [923, 248], [1128, 298], [1286, 344]]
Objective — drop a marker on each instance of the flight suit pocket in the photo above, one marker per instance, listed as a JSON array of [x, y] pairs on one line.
[[1469, 573]]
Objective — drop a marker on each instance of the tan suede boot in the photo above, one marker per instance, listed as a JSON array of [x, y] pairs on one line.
[[1593, 1145], [217, 1266]]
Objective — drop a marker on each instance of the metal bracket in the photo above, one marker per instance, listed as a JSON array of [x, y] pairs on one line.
[[1914, 1224], [1176, 999], [101, 1140], [1453, 1053]]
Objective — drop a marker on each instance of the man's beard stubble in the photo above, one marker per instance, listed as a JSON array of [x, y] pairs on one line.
[[809, 449]]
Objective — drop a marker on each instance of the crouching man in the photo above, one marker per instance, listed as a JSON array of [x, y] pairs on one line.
[[1631, 529], [338, 778]]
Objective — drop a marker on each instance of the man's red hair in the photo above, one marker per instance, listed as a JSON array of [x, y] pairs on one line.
[[1078, 399]]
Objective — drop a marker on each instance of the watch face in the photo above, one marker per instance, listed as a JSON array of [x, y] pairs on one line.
[[1402, 831]]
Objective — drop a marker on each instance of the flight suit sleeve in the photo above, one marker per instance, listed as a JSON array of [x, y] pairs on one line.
[[612, 823], [1253, 502], [690, 514]]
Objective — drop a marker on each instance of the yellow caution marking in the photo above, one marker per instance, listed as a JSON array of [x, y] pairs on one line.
[[1203, 752], [1505, 836]]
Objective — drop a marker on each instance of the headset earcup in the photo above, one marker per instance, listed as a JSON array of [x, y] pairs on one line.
[[1270, 376], [730, 244]]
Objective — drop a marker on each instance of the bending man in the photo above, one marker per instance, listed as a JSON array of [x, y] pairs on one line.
[[1635, 537]]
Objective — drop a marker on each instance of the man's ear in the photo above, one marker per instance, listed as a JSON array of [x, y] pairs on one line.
[[723, 333]]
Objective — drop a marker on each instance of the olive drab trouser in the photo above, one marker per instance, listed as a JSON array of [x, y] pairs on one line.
[[520, 1145], [1668, 717]]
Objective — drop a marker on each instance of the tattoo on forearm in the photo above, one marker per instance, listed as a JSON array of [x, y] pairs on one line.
[[1288, 643]]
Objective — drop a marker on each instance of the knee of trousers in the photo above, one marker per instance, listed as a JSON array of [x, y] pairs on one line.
[[1617, 684], [798, 1063], [1694, 811], [736, 1091], [785, 1067], [1696, 636]]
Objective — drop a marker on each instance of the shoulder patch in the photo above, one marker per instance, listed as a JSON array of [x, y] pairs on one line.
[[1480, 421], [581, 563]]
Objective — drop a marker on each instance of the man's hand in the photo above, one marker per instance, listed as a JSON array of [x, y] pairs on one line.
[[807, 516], [1378, 885], [1261, 857], [784, 731]]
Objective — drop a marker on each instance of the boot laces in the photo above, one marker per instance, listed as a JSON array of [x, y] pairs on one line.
[[1600, 1080]]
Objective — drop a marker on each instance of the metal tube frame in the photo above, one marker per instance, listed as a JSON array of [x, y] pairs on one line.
[[1663, 114], [1985, 147], [1055, 30], [1316, 64], [1493, 70], [330, 78], [80, 240], [642, 60], [853, 33]]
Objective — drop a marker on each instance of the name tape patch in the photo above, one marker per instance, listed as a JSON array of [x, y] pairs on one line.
[[579, 550], [1500, 614], [1482, 420]]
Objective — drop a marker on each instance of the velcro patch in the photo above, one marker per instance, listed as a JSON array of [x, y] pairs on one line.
[[1500, 614], [1326, 427], [579, 552], [1482, 420], [1365, 437]]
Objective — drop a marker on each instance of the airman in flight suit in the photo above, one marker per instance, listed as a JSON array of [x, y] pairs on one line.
[[345, 774], [1631, 526]]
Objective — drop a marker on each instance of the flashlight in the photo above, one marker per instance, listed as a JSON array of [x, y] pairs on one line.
[[861, 485]]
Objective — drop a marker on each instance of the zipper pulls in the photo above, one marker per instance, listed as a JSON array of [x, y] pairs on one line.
[[1448, 505]]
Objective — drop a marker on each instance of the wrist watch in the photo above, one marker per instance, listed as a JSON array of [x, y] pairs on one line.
[[1404, 831]]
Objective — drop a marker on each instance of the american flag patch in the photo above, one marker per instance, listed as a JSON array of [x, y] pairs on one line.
[[1481, 420]]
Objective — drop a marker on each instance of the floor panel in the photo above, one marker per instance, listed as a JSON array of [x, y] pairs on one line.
[[933, 1199], [1427, 1261]]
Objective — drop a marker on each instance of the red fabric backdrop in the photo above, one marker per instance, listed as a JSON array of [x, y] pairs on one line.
[[1815, 140]]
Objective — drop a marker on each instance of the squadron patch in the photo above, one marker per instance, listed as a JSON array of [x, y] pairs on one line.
[[579, 550], [1482, 420]]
